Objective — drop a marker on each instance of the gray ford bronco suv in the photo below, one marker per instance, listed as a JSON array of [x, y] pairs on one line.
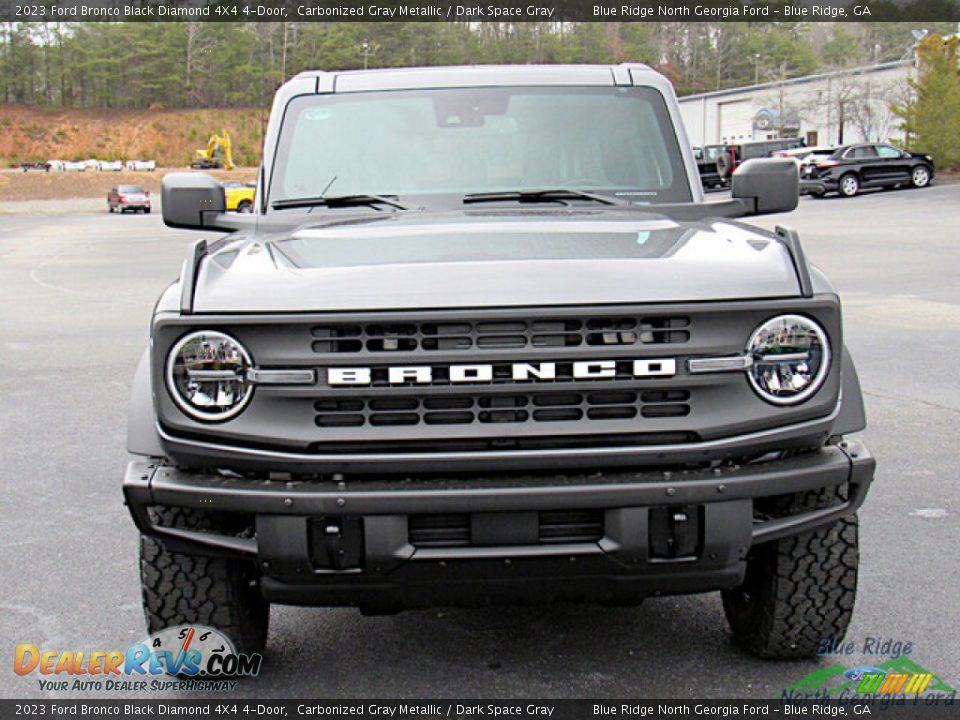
[[483, 341]]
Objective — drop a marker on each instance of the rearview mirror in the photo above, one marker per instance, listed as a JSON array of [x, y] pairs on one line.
[[772, 184], [192, 201]]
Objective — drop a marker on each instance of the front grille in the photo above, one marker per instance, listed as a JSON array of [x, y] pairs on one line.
[[439, 530], [536, 407], [511, 334], [568, 526], [515, 384], [553, 527]]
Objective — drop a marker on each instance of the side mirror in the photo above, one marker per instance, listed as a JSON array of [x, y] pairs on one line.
[[192, 201], [773, 185]]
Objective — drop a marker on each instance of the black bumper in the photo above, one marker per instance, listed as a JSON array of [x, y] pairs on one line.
[[817, 187], [381, 567]]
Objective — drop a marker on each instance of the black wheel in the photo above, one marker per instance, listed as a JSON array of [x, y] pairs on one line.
[[849, 185], [920, 177], [797, 590], [245, 207], [181, 588], [147, 210], [109, 207]]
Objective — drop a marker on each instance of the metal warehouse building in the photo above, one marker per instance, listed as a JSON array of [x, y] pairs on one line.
[[825, 109]]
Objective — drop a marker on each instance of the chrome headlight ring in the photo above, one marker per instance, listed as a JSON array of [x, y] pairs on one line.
[[790, 359], [207, 375]]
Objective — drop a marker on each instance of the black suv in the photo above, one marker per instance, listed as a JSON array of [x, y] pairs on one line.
[[868, 165]]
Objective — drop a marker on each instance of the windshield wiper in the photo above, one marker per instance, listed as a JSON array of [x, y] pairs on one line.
[[538, 196], [336, 201]]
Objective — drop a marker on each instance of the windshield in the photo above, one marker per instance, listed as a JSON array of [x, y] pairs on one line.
[[130, 189], [455, 142]]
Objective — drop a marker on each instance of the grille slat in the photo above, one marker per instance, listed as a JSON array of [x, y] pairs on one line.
[[428, 337], [439, 530], [565, 526], [554, 527], [537, 407]]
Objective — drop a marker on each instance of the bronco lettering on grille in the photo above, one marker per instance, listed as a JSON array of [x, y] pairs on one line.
[[484, 372]]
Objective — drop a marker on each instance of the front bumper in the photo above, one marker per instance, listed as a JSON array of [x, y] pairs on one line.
[[389, 571]]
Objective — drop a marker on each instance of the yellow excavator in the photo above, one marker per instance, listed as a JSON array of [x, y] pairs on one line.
[[216, 155]]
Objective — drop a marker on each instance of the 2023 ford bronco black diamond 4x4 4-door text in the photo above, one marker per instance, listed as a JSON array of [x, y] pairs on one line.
[[482, 340]]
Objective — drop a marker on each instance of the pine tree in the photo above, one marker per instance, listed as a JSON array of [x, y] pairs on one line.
[[930, 119]]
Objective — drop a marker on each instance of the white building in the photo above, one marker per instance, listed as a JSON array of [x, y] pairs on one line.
[[814, 107]]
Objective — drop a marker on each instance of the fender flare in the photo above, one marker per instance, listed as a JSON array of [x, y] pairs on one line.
[[853, 417], [142, 438]]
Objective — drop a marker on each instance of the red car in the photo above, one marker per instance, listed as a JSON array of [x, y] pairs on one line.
[[128, 197]]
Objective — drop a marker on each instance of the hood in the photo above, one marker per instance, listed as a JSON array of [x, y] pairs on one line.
[[491, 258]]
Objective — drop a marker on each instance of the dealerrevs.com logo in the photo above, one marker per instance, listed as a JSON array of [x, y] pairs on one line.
[[185, 657]]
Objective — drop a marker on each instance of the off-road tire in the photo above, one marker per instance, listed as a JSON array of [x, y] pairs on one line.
[[797, 590], [183, 588]]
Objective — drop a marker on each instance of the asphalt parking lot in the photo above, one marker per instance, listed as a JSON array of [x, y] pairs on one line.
[[75, 297]]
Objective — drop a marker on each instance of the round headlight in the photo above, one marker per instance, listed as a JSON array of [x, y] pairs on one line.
[[791, 356], [207, 375]]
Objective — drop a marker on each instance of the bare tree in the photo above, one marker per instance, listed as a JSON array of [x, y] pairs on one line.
[[197, 56], [872, 112]]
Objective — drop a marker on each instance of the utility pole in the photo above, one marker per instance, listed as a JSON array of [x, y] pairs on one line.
[[263, 127], [780, 110], [283, 56]]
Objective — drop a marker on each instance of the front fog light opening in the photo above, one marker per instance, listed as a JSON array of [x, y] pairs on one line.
[[207, 376], [791, 358]]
